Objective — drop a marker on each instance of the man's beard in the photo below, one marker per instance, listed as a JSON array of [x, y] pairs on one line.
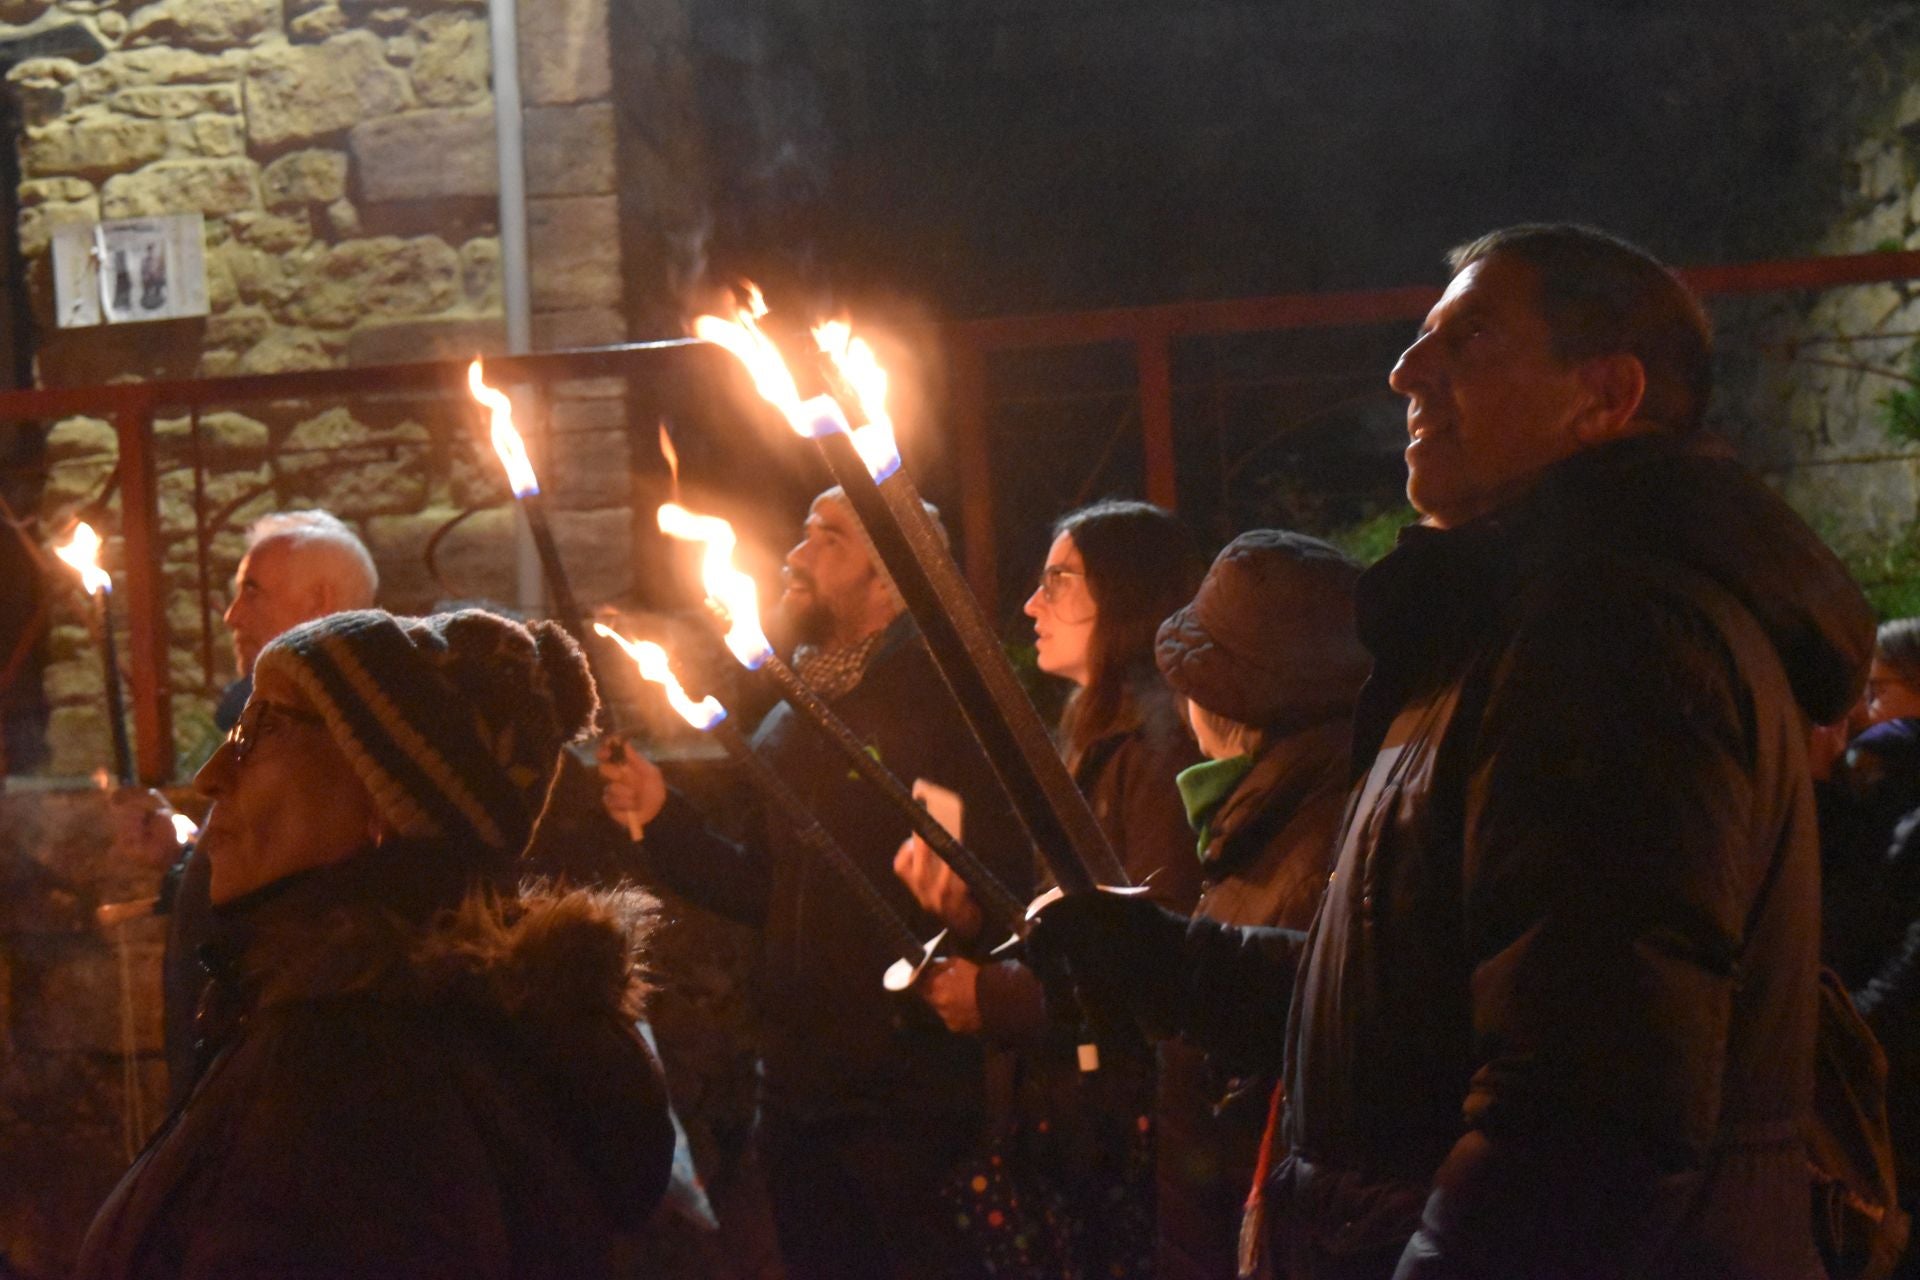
[[805, 619]]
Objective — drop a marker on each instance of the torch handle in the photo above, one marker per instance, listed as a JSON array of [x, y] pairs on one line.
[[994, 897], [116, 708], [564, 605], [900, 935], [970, 660]]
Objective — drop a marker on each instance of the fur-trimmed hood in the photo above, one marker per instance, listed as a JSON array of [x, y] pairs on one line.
[[551, 976]]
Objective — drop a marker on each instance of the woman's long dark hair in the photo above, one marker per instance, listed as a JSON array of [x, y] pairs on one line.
[[1141, 565]]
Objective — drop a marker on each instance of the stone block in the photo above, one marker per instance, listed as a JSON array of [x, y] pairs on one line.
[[322, 22], [206, 136], [570, 150], [272, 232], [69, 483], [382, 276], [335, 461], [287, 351], [563, 53], [177, 102], [38, 222], [574, 243], [76, 438], [453, 63], [77, 680], [474, 478], [451, 337], [211, 187], [304, 177], [97, 144], [568, 417], [343, 219], [220, 490], [426, 155], [77, 740], [44, 89], [204, 24], [151, 65], [300, 92], [476, 560], [480, 273], [238, 328], [597, 547], [591, 470], [574, 329]]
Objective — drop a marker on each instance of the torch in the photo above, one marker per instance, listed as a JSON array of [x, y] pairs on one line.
[[710, 717], [526, 491], [82, 552], [732, 595], [866, 463]]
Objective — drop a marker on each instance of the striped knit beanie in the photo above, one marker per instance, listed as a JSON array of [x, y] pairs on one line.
[[454, 722]]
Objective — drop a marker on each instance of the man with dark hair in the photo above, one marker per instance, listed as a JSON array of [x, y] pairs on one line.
[[867, 1101], [1555, 1016]]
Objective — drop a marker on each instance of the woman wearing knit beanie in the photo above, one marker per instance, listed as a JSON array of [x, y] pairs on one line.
[[1269, 661], [406, 1067]]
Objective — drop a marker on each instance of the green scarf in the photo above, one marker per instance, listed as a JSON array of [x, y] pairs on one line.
[[1204, 787]]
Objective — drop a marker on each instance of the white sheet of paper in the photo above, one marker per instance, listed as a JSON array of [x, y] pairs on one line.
[[947, 808]]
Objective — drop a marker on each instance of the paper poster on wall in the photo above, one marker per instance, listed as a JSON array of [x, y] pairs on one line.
[[130, 269]]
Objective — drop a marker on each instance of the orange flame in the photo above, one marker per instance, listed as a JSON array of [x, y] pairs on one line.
[[651, 659], [749, 343], [506, 441], [82, 552], [855, 360], [731, 592]]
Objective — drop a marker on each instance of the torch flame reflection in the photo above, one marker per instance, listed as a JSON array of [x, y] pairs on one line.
[[651, 659], [82, 552], [855, 360], [731, 591], [506, 441]]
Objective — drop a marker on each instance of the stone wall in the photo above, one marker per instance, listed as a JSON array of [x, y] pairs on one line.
[[343, 155], [1807, 378]]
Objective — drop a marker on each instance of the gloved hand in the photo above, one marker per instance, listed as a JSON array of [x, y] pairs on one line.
[[1125, 954]]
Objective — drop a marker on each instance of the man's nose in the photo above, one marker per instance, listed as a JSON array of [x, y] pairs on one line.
[[1412, 370]]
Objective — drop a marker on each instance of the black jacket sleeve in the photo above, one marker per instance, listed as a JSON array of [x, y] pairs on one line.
[[690, 858]]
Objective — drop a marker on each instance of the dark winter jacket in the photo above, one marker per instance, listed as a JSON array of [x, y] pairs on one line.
[[1127, 777], [399, 1090], [836, 1043], [1266, 863], [1556, 1014]]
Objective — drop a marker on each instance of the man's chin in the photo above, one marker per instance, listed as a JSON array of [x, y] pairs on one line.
[[802, 617]]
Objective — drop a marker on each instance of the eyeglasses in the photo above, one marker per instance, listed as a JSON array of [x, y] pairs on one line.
[[259, 719], [1053, 581]]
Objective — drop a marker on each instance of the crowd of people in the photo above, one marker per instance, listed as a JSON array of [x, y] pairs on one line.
[[1482, 895]]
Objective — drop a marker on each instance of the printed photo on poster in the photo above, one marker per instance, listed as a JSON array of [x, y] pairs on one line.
[[130, 269]]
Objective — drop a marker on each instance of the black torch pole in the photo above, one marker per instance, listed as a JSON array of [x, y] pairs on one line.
[[901, 939], [999, 903], [116, 709], [969, 658], [558, 583]]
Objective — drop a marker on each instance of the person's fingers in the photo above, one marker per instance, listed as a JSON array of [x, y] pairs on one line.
[[618, 798]]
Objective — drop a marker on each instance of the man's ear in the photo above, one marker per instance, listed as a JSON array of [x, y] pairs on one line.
[[1616, 386]]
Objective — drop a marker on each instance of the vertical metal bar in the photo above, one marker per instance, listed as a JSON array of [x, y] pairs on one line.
[[202, 540], [146, 598], [974, 457], [1153, 357]]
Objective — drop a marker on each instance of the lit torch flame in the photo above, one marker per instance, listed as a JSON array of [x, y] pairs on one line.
[[651, 659], [82, 552], [506, 441], [731, 592], [672, 455], [750, 344], [856, 362], [184, 829]]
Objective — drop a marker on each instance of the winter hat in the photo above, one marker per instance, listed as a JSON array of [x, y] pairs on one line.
[[1269, 639], [454, 722]]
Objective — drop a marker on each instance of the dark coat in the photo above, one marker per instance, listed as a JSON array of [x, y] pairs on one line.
[[387, 1096], [1556, 1014], [1269, 850]]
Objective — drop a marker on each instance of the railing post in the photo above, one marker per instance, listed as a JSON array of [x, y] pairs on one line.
[[974, 460], [146, 596], [1153, 357]]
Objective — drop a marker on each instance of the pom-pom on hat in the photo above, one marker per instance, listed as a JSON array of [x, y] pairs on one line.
[[1269, 639], [454, 722]]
